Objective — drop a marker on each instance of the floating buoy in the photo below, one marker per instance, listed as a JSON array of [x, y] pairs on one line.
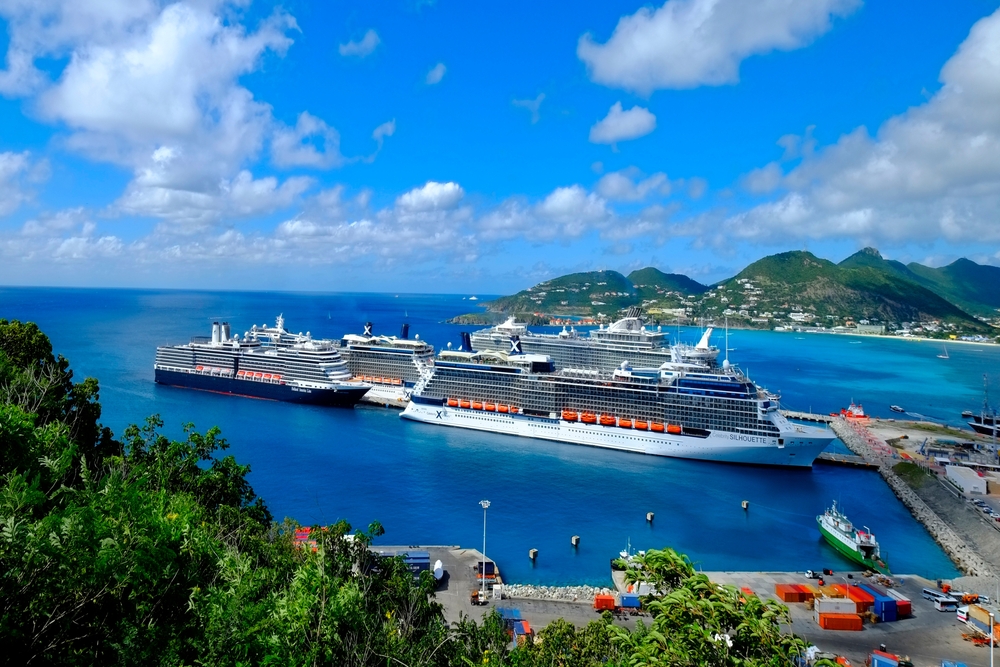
[[649, 517], [532, 554], [575, 540], [745, 504]]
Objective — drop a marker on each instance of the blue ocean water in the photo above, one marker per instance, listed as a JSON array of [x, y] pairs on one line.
[[424, 483]]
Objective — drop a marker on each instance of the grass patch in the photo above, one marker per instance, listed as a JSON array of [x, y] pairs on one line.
[[912, 474], [928, 427]]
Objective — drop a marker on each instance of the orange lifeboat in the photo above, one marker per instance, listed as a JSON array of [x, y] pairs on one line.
[[452, 402], [259, 376], [465, 404], [588, 418], [492, 407], [502, 408], [674, 428], [514, 409], [199, 368], [367, 378], [397, 381], [476, 405], [656, 426], [625, 423], [240, 374], [641, 425], [569, 415], [608, 420]]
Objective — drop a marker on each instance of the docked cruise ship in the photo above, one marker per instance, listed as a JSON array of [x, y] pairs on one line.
[[677, 410], [390, 364], [605, 348], [267, 362]]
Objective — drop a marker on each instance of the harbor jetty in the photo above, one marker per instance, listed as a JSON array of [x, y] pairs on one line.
[[856, 436]]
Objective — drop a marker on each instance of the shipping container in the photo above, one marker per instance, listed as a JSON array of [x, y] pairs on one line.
[[979, 625], [882, 659], [835, 606], [491, 568], [806, 592], [833, 591], [903, 605], [862, 598], [630, 601], [840, 622], [979, 613], [787, 593], [604, 602]]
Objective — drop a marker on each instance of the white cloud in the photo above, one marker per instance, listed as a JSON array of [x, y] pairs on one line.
[[626, 186], [531, 105], [386, 129], [362, 47], [430, 197], [16, 170], [435, 74], [689, 43], [929, 173], [311, 143], [764, 180], [621, 125]]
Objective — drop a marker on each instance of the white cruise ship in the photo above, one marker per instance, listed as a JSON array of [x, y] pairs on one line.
[[392, 365], [605, 348], [677, 410]]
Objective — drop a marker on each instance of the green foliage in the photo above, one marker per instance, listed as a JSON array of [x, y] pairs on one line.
[[154, 551]]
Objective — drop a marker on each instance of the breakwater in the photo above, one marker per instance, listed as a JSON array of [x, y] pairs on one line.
[[563, 593], [862, 442]]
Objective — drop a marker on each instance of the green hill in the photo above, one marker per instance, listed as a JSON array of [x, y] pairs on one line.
[[872, 258], [671, 282], [575, 294], [965, 283]]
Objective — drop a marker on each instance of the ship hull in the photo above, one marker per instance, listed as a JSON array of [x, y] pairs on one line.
[[847, 552], [344, 396], [724, 447], [392, 396]]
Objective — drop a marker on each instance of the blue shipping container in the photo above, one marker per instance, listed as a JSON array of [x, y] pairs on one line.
[[882, 661], [884, 607], [630, 601], [508, 614]]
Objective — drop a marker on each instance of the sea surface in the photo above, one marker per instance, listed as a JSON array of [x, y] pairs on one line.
[[424, 483]]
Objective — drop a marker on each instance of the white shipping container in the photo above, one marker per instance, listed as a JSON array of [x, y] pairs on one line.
[[835, 606]]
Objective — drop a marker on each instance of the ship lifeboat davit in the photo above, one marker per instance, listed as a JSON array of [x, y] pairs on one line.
[[674, 428], [625, 423], [476, 405], [570, 416], [608, 420], [641, 425], [656, 427], [465, 404], [588, 418], [452, 402], [503, 408], [491, 407]]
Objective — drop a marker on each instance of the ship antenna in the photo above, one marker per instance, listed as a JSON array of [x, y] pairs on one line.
[[727, 338]]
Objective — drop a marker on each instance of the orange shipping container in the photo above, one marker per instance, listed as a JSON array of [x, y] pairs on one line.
[[805, 592], [604, 602], [810, 588], [786, 592], [863, 598], [840, 622]]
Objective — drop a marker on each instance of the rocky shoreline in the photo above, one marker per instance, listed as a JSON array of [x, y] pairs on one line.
[[862, 443]]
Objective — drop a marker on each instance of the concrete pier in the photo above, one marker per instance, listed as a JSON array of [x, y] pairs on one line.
[[860, 441]]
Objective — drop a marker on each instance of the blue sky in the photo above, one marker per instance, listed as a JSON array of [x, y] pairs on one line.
[[444, 146]]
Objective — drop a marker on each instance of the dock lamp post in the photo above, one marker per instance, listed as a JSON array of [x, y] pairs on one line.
[[992, 632], [485, 504]]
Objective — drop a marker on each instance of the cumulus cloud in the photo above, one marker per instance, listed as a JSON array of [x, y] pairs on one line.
[[362, 47], [17, 172], [531, 105], [64, 236], [620, 125], [311, 143], [435, 74], [627, 185], [929, 173], [689, 43], [431, 196], [386, 129]]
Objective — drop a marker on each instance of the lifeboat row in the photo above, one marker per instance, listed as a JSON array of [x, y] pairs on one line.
[[251, 375], [374, 379], [479, 405], [622, 422]]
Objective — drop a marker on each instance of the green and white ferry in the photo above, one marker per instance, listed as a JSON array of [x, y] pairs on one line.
[[858, 545]]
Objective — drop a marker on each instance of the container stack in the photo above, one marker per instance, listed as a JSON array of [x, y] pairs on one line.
[[837, 614], [904, 607], [979, 618], [794, 592], [884, 606], [863, 600]]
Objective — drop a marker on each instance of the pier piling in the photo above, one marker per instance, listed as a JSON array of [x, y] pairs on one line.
[[649, 517], [575, 540], [532, 554]]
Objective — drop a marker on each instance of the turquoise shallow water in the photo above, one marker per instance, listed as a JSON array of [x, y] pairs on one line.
[[424, 483]]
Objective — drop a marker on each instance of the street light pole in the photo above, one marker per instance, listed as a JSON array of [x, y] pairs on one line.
[[991, 639], [485, 504]]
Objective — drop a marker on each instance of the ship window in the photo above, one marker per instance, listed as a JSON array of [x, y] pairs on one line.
[[781, 441]]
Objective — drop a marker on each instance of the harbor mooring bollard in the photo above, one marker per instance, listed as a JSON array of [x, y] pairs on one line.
[[575, 540], [533, 554], [649, 517]]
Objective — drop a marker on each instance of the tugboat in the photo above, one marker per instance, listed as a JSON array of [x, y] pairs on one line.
[[851, 412], [853, 543]]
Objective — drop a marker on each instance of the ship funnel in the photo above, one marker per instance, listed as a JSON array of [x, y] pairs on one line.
[[467, 342], [226, 332], [404, 332], [216, 332], [368, 329]]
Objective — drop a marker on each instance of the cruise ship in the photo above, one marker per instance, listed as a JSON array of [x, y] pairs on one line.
[[605, 348], [390, 364], [267, 362], [677, 410]]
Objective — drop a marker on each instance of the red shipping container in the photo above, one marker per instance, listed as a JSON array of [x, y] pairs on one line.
[[863, 598], [604, 602], [840, 622], [805, 592], [787, 593]]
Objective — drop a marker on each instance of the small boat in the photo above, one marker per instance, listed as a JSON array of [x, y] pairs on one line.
[[851, 412], [856, 544], [625, 423], [966, 414], [944, 355], [896, 408]]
